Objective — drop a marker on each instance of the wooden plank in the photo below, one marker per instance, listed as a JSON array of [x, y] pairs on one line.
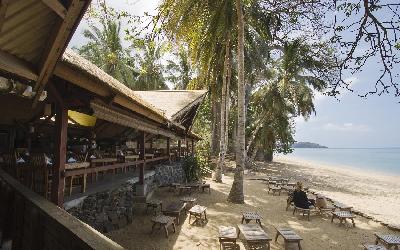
[[58, 178], [12, 64], [3, 10], [61, 35], [57, 7], [81, 171]]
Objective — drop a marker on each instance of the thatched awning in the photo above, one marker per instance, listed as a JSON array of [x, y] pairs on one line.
[[106, 113], [178, 105]]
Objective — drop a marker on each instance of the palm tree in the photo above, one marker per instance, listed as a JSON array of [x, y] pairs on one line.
[[150, 67], [106, 51], [236, 194], [180, 70], [288, 92]]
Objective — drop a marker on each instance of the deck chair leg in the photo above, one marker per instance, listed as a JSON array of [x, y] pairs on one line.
[[298, 243], [276, 237], [166, 230], [152, 228]]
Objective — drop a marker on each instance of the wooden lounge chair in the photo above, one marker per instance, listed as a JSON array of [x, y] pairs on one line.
[[227, 237], [289, 236], [175, 209], [342, 216]]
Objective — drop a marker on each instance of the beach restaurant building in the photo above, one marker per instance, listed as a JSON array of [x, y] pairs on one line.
[[65, 123]]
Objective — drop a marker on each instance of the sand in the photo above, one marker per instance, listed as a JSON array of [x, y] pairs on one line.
[[374, 194], [318, 233]]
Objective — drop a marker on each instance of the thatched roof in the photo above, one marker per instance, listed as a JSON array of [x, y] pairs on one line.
[[79, 63], [174, 103]]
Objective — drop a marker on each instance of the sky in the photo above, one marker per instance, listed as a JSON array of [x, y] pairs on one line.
[[350, 122]]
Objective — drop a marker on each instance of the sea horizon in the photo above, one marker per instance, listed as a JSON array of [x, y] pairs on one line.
[[379, 160]]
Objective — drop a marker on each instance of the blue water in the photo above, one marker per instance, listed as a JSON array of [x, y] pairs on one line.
[[383, 160]]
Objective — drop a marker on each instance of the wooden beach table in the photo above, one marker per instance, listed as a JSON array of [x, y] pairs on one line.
[[342, 216], [249, 216], [288, 236], [175, 209], [254, 235], [163, 221], [390, 240], [373, 247], [197, 211], [184, 189], [227, 235]]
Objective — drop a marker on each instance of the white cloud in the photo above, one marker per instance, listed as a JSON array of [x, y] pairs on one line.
[[351, 127], [352, 80]]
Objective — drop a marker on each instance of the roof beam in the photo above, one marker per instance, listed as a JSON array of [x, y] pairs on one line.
[[12, 64], [3, 10], [57, 7], [61, 36]]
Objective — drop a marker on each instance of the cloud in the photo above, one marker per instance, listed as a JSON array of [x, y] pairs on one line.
[[352, 80], [346, 127]]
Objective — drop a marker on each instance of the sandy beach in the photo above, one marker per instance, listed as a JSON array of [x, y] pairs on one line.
[[318, 233], [374, 194]]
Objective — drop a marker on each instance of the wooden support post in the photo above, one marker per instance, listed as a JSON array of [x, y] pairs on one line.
[[142, 145], [187, 147], [58, 179], [192, 147], [179, 149], [168, 150]]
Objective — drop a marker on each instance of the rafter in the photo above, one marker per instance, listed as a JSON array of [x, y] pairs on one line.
[[61, 36], [12, 64], [57, 7], [3, 10]]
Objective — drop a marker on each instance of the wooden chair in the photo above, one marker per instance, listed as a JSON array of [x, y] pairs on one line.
[[41, 174], [79, 180]]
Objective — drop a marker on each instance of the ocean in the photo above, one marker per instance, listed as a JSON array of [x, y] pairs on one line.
[[382, 160]]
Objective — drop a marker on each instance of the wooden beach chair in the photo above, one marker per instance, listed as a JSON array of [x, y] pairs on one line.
[[304, 211], [163, 221], [175, 209]]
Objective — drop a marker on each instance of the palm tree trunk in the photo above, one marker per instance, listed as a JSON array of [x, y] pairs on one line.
[[236, 193], [223, 118]]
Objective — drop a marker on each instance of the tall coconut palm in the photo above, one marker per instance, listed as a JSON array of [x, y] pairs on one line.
[[236, 194], [105, 49]]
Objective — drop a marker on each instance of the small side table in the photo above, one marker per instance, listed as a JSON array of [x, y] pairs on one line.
[[163, 221]]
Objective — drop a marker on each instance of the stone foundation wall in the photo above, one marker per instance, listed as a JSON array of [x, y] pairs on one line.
[[107, 211], [167, 174]]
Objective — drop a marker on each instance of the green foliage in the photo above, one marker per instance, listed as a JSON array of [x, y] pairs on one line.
[[191, 167]]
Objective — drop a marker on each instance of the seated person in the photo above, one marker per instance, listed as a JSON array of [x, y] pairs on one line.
[[300, 197]]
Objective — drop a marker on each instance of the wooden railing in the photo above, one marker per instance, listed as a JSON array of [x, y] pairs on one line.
[[31, 222]]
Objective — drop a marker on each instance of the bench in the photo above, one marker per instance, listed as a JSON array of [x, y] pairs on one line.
[[275, 190], [254, 235], [288, 236], [163, 221]]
